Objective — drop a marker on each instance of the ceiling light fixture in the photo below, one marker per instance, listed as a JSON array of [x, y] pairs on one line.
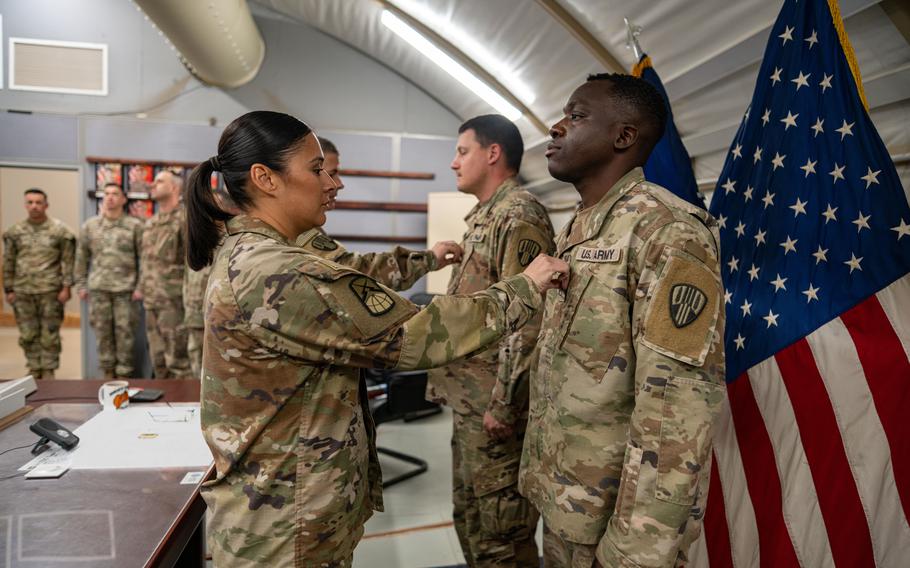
[[449, 65]]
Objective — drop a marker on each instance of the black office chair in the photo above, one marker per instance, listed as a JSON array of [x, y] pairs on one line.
[[398, 395]]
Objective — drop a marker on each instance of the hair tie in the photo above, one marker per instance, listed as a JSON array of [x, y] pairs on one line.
[[216, 165]]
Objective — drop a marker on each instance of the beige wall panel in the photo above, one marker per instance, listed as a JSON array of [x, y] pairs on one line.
[[445, 222]]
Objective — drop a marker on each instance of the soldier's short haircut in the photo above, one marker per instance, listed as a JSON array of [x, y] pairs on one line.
[[258, 137], [328, 147], [36, 190], [117, 185], [497, 129], [176, 177], [641, 98]]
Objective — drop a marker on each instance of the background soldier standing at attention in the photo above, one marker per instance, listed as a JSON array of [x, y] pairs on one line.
[[488, 393], [37, 275], [398, 269], [630, 373], [107, 269], [161, 279]]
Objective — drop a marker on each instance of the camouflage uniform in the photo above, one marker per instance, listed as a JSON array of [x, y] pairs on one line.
[[194, 284], [398, 269], [628, 382], [37, 264], [161, 283], [495, 524], [107, 265], [283, 400]]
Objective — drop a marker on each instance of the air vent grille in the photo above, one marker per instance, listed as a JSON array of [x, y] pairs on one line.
[[57, 66]]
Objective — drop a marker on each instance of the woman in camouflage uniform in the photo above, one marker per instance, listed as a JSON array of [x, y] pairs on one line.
[[286, 334]]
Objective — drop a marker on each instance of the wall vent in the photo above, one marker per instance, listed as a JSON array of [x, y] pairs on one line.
[[57, 66]]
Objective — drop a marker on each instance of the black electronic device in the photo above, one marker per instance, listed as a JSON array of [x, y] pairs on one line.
[[52, 431], [147, 395]]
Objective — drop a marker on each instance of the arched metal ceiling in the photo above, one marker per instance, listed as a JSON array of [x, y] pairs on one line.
[[707, 53]]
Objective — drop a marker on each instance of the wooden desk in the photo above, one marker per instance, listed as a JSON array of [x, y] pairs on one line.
[[98, 518]]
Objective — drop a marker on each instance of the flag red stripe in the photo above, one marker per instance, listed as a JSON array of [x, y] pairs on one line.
[[717, 536], [775, 547], [887, 372], [838, 497]]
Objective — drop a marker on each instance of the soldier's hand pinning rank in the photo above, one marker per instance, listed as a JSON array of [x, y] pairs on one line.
[[446, 253], [548, 272]]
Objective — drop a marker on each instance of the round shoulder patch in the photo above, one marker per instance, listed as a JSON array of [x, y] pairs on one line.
[[322, 242], [376, 300]]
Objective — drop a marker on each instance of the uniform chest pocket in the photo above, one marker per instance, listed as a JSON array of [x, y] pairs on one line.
[[166, 247], [110, 239], [598, 323]]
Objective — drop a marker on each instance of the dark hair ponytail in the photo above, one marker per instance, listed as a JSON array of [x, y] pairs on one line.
[[258, 137]]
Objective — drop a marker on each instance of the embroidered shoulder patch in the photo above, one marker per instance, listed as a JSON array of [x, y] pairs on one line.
[[589, 254], [686, 304], [324, 243], [528, 249], [376, 301]]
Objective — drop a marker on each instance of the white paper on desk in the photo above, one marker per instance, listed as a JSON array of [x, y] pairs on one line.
[[142, 437]]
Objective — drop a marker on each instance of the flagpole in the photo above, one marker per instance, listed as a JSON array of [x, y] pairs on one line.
[[632, 33]]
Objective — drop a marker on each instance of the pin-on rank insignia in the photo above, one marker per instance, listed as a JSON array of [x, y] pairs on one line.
[[528, 249], [322, 242], [686, 303], [376, 300]]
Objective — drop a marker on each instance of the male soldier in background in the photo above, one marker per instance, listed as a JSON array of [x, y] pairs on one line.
[[107, 269], [398, 269], [630, 372], [488, 393], [37, 275], [161, 279]]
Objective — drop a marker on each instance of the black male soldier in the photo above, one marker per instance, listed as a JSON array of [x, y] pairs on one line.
[[488, 393], [398, 269], [630, 370], [37, 275]]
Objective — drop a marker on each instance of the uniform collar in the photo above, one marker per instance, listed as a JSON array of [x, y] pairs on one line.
[[109, 221], [592, 219], [247, 224], [171, 213], [481, 210]]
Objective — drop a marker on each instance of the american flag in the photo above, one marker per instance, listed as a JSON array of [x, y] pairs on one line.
[[812, 455]]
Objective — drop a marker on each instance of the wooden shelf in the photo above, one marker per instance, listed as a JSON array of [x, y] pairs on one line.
[[130, 195], [387, 174], [167, 164], [381, 206]]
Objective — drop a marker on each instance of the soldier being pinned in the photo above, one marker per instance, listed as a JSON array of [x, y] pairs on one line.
[[284, 407], [37, 275], [630, 371], [399, 268]]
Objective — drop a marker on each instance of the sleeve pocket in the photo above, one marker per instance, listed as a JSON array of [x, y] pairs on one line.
[[689, 409]]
